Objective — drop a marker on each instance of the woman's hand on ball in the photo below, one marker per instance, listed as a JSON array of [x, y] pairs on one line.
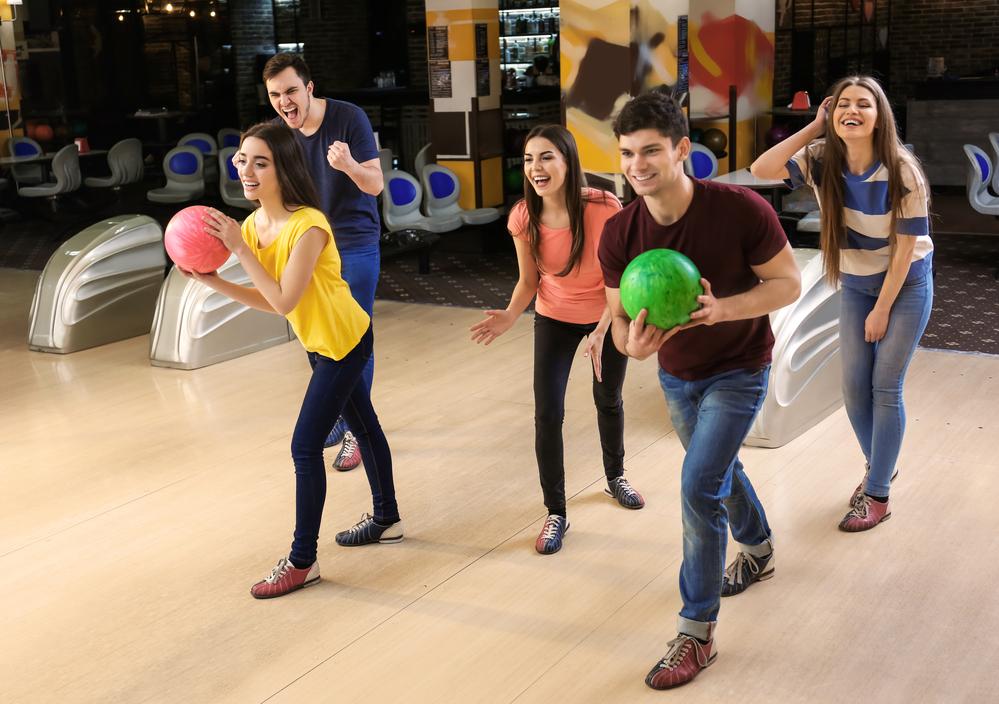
[[206, 279], [223, 227]]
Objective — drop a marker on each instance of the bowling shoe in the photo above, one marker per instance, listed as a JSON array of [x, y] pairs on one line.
[[685, 658], [366, 531], [336, 435], [746, 569], [866, 514], [349, 455], [621, 490], [863, 483], [284, 579], [550, 539]]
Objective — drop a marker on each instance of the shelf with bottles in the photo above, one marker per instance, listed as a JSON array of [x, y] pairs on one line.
[[521, 51], [528, 22], [527, 5]]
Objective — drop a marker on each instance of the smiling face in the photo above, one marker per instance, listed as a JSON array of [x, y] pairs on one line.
[[256, 169], [290, 97], [650, 162], [544, 167], [856, 114]]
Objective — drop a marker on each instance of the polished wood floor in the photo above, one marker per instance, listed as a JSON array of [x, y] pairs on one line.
[[138, 505]]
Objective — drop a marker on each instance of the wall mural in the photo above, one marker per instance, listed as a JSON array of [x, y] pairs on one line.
[[612, 50]]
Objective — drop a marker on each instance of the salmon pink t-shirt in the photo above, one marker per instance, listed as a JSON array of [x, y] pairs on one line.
[[579, 296]]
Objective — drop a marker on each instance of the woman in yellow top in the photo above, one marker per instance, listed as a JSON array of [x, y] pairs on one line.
[[286, 246]]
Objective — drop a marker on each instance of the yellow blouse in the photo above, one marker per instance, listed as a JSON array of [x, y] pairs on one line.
[[327, 319]]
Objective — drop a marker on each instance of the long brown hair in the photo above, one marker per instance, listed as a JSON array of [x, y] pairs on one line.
[[888, 150], [292, 172], [575, 202]]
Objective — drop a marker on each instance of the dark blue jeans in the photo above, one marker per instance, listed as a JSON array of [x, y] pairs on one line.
[[712, 418], [555, 347], [334, 390], [359, 268]]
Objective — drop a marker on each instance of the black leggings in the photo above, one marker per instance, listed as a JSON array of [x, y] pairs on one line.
[[555, 347]]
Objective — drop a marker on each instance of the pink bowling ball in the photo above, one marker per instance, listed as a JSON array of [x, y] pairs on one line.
[[189, 246]]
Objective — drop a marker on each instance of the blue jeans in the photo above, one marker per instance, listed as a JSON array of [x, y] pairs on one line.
[[712, 418], [873, 372], [334, 390], [359, 268]]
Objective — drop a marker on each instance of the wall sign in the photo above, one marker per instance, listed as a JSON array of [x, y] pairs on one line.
[[440, 79], [481, 42], [437, 43]]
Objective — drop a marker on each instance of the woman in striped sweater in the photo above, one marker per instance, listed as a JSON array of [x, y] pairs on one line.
[[875, 240]]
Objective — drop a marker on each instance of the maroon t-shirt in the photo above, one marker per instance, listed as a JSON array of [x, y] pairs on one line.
[[725, 230]]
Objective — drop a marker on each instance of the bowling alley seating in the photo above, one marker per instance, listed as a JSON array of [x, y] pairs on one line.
[[401, 206], [229, 184], [99, 287], [702, 162], [209, 151], [806, 372], [423, 157], [385, 159], [26, 174], [184, 171], [979, 172], [66, 170], [125, 162], [994, 142], [228, 137], [442, 189], [195, 327]]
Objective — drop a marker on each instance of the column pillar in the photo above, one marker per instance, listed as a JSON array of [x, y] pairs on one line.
[[466, 122]]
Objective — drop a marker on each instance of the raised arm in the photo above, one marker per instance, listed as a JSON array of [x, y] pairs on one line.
[[281, 296], [366, 175], [772, 164]]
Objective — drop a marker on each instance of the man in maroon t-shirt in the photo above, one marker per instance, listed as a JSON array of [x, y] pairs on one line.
[[714, 369]]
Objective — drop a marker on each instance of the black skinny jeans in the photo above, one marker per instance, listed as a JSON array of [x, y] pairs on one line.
[[555, 346]]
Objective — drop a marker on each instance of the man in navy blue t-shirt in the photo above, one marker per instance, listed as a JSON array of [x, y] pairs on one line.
[[343, 160]]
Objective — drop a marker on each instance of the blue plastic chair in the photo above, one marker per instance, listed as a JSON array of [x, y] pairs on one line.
[[29, 174], [979, 175], [184, 169], [702, 162], [442, 188], [401, 206]]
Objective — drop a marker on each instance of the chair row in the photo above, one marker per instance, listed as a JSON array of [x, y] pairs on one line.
[[404, 206], [983, 172], [185, 169]]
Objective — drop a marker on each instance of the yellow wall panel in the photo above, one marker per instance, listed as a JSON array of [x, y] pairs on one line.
[[492, 182], [465, 171]]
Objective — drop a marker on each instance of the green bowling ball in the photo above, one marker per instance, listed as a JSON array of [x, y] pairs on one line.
[[695, 134], [665, 283]]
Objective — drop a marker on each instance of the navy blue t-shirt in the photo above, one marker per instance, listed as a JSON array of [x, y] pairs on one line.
[[353, 212]]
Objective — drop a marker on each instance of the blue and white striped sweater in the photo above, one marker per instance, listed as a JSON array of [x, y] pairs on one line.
[[864, 259]]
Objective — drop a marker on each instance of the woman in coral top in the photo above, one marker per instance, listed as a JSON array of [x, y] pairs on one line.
[[556, 230], [286, 247]]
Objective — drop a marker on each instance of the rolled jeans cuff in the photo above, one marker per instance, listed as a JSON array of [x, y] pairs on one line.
[[698, 629], [761, 550]]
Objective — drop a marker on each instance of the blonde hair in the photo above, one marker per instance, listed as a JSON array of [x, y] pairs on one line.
[[888, 149]]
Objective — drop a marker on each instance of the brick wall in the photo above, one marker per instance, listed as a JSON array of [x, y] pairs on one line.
[[252, 24], [336, 44], [416, 20], [964, 32]]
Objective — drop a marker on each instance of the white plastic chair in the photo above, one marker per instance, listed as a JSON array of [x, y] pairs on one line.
[[185, 173], [979, 174], [66, 169], [401, 206], [125, 160], [230, 186], [442, 189]]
